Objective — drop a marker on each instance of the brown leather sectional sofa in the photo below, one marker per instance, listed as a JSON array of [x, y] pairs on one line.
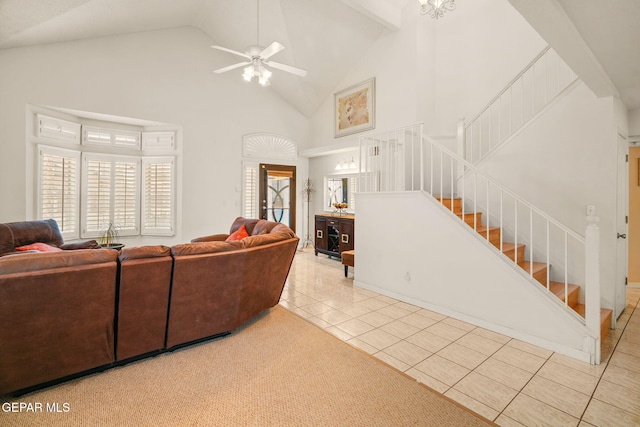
[[68, 313]]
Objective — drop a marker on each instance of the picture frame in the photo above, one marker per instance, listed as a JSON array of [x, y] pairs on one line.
[[354, 108]]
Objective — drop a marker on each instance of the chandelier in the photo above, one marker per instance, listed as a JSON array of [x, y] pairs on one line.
[[436, 8]]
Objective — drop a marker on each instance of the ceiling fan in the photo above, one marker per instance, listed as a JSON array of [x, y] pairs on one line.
[[258, 59]]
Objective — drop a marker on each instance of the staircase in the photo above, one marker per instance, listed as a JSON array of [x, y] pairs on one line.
[[516, 253]]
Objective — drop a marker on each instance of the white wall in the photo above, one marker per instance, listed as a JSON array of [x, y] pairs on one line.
[[163, 76], [431, 261], [634, 122]]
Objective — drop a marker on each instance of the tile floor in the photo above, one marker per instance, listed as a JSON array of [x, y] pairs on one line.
[[505, 380]]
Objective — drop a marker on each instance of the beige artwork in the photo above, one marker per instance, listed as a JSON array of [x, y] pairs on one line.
[[353, 109]]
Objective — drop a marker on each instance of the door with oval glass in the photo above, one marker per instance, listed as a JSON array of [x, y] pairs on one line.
[[278, 194]]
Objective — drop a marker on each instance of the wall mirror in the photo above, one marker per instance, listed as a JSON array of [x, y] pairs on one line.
[[340, 189]]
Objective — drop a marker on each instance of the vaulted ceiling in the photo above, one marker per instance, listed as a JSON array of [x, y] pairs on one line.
[[599, 39]]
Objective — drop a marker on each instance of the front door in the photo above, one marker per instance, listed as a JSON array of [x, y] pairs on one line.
[[278, 194], [622, 213]]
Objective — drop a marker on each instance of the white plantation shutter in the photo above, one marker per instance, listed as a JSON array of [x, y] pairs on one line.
[[110, 137], [158, 196], [58, 188], [250, 190], [111, 194]]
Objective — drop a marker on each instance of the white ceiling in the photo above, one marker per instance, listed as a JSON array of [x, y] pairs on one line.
[[328, 37]]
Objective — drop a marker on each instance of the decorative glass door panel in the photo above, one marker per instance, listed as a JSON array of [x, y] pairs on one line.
[[277, 194]]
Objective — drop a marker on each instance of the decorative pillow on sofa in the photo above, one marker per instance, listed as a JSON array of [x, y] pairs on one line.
[[40, 247], [239, 234]]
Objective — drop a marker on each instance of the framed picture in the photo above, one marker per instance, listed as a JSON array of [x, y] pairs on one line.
[[354, 108]]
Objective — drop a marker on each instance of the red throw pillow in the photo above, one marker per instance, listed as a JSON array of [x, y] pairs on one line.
[[239, 234], [40, 247]]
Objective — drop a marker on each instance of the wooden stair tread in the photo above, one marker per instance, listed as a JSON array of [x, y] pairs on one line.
[[536, 267], [557, 288], [605, 319]]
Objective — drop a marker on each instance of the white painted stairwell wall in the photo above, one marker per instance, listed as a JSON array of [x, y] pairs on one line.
[[410, 248]]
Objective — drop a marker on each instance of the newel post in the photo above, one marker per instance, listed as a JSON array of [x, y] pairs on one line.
[[461, 146], [592, 280]]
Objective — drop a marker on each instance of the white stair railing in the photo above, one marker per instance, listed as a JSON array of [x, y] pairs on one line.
[[404, 160], [540, 82]]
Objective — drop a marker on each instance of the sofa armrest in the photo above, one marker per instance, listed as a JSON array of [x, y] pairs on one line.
[[142, 252], [85, 244], [212, 238]]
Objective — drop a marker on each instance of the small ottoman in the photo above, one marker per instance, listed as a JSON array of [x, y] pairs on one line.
[[347, 260]]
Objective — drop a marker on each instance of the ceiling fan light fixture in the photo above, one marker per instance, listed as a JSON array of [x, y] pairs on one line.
[[436, 8]]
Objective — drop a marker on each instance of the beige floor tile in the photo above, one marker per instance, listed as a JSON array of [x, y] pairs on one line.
[[386, 299], [560, 397], [399, 329], [459, 324], [533, 413], [431, 314], [630, 336], [474, 405], [363, 346], [355, 309], [428, 341], [387, 358], [486, 391], [504, 373], [344, 336], [300, 312], [530, 348], [427, 380], [569, 377], [355, 327], [624, 377], [602, 414], [379, 339], [406, 306], [505, 421], [521, 359], [618, 396], [479, 344], [628, 347], [418, 320], [408, 353], [584, 424], [394, 311], [334, 317], [375, 319], [445, 331], [587, 368], [463, 356], [442, 369], [319, 322], [626, 361], [373, 304], [317, 308], [302, 300], [494, 336]]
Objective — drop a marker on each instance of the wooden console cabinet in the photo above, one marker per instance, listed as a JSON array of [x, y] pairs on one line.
[[334, 234]]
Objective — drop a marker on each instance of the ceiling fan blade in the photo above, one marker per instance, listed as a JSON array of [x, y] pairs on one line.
[[235, 52], [288, 68], [231, 67], [271, 50]]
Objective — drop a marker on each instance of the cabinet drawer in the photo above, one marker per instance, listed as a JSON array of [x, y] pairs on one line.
[[332, 222]]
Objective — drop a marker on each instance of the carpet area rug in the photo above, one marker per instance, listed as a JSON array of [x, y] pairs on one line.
[[278, 370]]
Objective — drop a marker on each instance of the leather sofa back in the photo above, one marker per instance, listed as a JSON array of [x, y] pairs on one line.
[[16, 234]]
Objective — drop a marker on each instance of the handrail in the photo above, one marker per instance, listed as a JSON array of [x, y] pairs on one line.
[[546, 216], [506, 88]]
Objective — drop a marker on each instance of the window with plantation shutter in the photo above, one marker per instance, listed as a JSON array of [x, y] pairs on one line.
[[250, 190], [110, 194], [58, 188], [158, 196], [110, 137]]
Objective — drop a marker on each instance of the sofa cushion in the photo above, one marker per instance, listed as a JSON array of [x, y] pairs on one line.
[[263, 226], [144, 252], [62, 259], [240, 221], [39, 247], [239, 234], [15, 234], [205, 248]]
